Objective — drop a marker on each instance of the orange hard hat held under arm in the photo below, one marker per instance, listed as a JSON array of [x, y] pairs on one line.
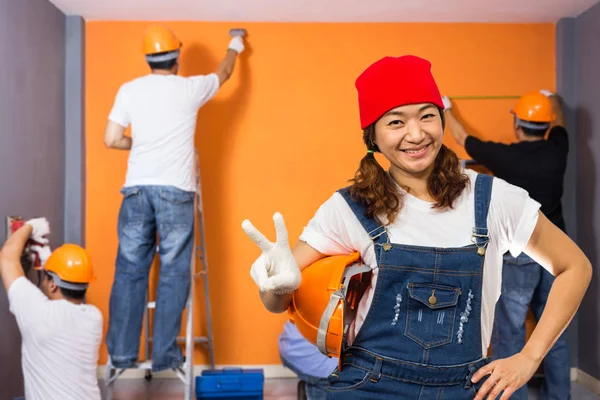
[[325, 304]]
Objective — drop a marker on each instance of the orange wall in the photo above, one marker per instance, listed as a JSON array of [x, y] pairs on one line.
[[283, 134]]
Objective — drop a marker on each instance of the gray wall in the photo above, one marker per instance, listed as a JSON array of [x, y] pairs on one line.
[[566, 87], [587, 32], [32, 145], [579, 59], [74, 222]]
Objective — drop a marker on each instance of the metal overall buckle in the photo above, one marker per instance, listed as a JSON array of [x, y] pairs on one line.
[[387, 246], [475, 235]]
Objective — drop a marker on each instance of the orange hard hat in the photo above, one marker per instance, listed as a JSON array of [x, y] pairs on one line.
[[159, 39], [71, 264], [325, 304], [534, 107]]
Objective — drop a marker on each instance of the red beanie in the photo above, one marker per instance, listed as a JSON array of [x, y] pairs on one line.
[[392, 82]]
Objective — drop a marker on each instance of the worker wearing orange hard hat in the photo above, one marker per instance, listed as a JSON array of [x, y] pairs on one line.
[[161, 40], [158, 193], [536, 163], [400, 271], [61, 333]]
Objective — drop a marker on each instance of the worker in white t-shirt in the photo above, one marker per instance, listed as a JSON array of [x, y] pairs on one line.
[[61, 333], [434, 235], [158, 195]]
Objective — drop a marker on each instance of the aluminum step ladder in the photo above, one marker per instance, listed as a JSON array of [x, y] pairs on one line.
[[185, 372]]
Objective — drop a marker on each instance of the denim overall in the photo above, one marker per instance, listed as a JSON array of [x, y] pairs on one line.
[[421, 338]]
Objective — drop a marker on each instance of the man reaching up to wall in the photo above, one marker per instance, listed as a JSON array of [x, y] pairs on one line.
[[158, 196]]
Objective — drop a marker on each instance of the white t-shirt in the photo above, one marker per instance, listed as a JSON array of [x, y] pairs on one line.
[[162, 110], [512, 216], [60, 344]]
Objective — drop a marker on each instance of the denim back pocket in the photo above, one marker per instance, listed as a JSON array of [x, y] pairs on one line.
[[431, 311], [176, 209], [131, 212], [176, 196]]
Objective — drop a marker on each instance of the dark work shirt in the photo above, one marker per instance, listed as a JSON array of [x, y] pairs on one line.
[[538, 167]]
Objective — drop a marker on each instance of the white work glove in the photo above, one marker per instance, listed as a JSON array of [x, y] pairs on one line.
[[237, 44], [42, 251], [276, 269], [41, 228], [447, 102], [546, 93]]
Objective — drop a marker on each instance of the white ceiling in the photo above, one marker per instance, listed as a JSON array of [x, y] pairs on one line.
[[327, 10]]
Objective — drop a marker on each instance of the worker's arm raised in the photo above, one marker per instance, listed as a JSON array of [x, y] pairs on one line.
[[559, 118], [10, 255], [490, 154], [277, 271], [225, 69], [456, 128]]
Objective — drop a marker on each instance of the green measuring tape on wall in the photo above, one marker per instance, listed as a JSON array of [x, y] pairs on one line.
[[483, 97]]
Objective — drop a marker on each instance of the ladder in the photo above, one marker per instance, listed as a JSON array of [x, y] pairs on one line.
[[185, 372]]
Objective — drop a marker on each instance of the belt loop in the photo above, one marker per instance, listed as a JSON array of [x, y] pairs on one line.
[[468, 383], [376, 373]]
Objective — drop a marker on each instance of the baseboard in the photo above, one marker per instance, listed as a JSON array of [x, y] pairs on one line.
[[270, 370], [589, 382]]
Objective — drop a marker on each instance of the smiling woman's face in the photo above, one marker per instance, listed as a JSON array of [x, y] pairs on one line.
[[410, 137]]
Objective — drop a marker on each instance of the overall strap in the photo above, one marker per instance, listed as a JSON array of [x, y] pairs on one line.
[[375, 230], [483, 194]]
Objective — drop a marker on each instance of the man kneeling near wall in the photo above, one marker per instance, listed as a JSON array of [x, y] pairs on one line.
[[304, 358], [61, 334]]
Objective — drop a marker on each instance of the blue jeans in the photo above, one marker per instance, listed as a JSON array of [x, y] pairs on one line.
[[316, 388], [147, 212], [526, 283]]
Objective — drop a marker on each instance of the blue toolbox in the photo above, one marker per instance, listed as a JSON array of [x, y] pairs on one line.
[[230, 383]]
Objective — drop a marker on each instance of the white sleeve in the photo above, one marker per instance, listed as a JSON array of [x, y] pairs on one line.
[[202, 88], [513, 216], [119, 112], [26, 302], [334, 230]]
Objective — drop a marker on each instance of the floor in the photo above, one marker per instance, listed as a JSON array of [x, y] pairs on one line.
[[275, 389], [578, 392]]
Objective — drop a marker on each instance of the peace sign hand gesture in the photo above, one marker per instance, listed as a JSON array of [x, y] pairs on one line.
[[276, 269]]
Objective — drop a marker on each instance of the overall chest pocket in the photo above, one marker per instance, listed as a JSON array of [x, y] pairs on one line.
[[431, 311]]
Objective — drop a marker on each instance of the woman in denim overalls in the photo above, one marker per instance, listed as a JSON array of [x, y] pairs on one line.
[[422, 335]]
